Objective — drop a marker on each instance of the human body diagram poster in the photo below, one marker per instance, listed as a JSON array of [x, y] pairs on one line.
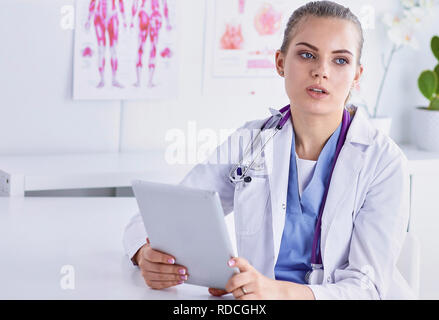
[[125, 49], [242, 37], [241, 40], [247, 34]]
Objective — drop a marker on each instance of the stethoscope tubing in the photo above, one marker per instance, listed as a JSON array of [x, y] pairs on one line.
[[316, 259]]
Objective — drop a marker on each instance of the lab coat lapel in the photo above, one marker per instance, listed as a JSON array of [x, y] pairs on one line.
[[277, 160], [346, 171], [343, 181]]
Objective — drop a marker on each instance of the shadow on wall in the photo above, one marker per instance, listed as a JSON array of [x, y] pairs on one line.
[[89, 192]]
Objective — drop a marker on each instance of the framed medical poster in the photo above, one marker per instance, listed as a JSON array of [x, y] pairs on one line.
[[241, 39], [246, 36], [125, 49]]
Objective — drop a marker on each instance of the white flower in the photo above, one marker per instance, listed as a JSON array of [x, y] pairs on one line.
[[401, 31], [408, 3], [426, 4], [415, 16], [403, 34], [390, 20]]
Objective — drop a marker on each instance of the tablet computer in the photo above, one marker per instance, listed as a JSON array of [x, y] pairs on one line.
[[188, 224]]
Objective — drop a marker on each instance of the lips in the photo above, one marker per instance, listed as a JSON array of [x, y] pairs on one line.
[[316, 95], [317, 87]]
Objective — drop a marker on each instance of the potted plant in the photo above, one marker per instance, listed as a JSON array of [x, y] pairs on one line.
[[401, 33], [426, 119]]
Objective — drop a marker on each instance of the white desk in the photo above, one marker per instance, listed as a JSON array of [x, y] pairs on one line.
[[19, 174], [421, 162], [38, 236], [424, 212], [113, 170]]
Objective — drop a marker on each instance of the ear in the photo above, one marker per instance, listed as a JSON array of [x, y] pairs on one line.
[[280, 63], [358, 75]]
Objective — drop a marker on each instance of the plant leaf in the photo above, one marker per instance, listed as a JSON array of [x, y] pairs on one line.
[[428, 83], [435, 46], [434, 105], [436, 70]]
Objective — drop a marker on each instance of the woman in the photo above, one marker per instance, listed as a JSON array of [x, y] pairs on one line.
[[297, 238]]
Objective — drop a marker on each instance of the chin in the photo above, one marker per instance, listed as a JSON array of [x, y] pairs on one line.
[[315, 107]]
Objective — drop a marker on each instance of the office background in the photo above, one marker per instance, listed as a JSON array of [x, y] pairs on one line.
[[38, 116]]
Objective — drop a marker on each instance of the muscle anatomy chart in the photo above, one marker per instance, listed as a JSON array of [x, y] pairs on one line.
[[120, 32], [106, 23]]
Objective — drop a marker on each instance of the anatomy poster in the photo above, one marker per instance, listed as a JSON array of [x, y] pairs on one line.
[[246, 36], [125, 49], [242, 37], [241, 40]]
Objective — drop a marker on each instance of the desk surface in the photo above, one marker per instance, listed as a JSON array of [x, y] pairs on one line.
[[101, 170], [89, 170], [38, 236], [420, 161]]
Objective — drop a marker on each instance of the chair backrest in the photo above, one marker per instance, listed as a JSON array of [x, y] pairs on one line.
[[409, 262]]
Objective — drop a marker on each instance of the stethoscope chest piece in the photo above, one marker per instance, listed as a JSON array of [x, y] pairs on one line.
[[248, 179], [314, 276]]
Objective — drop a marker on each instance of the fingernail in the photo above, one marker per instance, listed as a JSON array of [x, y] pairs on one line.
[[231, 263], [171, 261], [183, 277], [182, 271], [180, 282]]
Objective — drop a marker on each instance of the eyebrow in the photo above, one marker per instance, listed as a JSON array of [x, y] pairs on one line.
[[316, 49]]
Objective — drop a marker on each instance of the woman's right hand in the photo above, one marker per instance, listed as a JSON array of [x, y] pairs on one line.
[[159, 269]]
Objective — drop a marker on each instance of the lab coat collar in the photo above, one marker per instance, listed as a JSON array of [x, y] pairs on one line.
[[346, 171], [361, 130]]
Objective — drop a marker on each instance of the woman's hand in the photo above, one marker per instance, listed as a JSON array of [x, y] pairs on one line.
[[259, 287], [159, 269], [255, 284]]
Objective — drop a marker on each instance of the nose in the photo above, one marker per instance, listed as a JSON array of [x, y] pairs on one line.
[[320, 71], [317, 74]]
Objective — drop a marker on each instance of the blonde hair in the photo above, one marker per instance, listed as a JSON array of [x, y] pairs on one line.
[[324, 9]]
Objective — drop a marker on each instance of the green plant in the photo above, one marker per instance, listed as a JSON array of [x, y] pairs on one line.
[[428, 81]]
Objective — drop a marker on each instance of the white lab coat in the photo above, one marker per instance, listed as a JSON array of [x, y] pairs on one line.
[[364, 221]]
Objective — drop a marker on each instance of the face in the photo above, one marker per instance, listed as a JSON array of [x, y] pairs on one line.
[[323, 52]]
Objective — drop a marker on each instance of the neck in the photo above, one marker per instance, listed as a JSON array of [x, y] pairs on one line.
[[313, 131]]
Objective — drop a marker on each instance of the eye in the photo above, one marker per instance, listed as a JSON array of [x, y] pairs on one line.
[[345, 61], [306, 53]]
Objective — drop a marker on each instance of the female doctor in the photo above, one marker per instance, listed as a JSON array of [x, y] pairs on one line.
[[322, 212]]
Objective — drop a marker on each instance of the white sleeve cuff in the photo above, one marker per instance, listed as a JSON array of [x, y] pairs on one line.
[[134, 236], [318, 292]]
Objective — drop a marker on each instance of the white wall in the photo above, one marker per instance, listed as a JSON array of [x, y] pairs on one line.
[[38, 115], [399, 97], [36, 110]]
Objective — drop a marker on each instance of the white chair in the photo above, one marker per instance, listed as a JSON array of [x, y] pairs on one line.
[[409, 262]]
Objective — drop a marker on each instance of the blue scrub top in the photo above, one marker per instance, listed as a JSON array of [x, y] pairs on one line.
[[294, 259]]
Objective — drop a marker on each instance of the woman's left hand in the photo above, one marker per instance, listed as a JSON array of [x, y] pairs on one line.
[[255, 284]]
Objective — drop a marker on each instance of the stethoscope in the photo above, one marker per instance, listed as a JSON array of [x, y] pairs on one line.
[[239, 174], [278, 119]]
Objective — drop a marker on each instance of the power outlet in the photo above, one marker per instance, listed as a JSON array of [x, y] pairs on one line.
[[5, 184], [11, 185]]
